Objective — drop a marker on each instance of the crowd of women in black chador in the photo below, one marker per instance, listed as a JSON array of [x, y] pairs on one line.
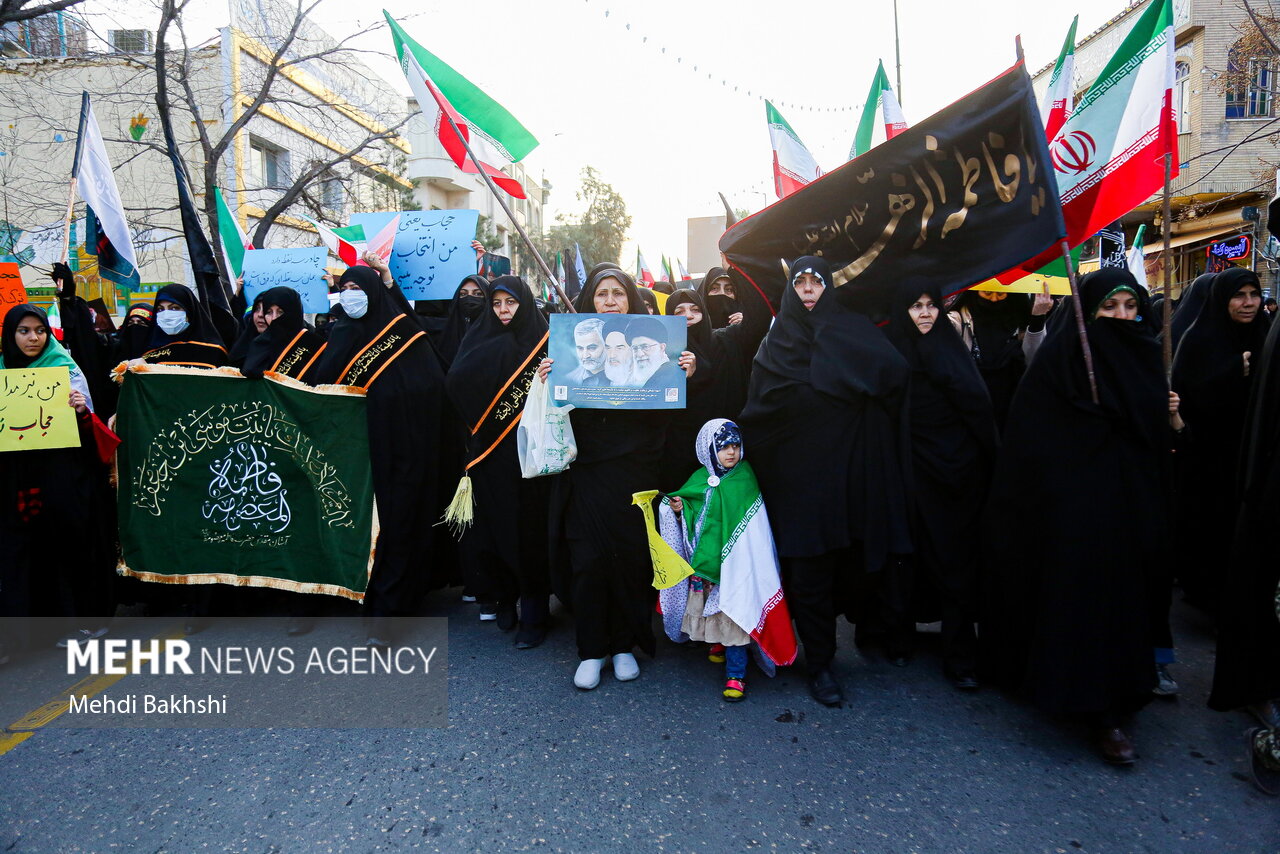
[[951, 463]]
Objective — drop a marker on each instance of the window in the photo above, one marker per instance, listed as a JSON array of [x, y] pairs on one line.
[[268, 165], [1254, 96], [332, 197], [1182, 96]]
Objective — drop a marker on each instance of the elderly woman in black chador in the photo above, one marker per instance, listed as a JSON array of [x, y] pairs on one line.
[[1077, 519], [953, 447], [824, 417], [596, 533], [505, 549], [377, 344]]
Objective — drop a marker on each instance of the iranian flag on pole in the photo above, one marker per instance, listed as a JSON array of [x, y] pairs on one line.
[[347, 243], [793, 165], [684, 274], [495, 135], [880, 98], [643, 273], [1109, 154], [234, 241], [1058, 98]]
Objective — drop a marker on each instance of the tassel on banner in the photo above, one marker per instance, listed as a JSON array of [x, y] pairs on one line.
[[461, 511]]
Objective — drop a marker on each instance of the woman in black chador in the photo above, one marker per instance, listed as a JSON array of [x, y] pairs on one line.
[[505, 549], [1212, 372], [824, 419], [378, 345], [596, 533], [183, 334], [1002, 332], [1247, 667], [953, 447], [1076, 533], [289, 346], [467, 304]]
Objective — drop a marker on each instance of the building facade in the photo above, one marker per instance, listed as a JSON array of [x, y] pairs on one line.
[[303, 130], [1226, 151]]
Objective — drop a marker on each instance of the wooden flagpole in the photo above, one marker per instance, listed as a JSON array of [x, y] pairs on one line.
[[497, 194], [1166, 226], [66, 223]]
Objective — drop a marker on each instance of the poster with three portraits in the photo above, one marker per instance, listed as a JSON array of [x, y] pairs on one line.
[[617, 361]]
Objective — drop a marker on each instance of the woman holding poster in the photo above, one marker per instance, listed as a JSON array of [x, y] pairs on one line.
[[378, 345], [48, 494], [595, 532]]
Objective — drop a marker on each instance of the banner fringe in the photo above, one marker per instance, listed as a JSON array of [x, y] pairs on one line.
[[461, 510], [242, 581]]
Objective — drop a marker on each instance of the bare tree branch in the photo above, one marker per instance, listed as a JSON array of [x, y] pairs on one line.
[[21, 10]]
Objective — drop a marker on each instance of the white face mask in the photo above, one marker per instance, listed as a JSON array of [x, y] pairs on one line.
[[173, 321], [354, 303]]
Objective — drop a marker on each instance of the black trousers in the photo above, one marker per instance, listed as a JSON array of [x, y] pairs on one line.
[[818, 590]]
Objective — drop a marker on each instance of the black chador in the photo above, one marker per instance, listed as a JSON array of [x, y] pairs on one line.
[[381, 348], [505, 548], [197, 345], [289, 347]]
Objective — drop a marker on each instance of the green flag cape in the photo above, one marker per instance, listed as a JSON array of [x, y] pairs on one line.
[[713, 526], [257, 483]]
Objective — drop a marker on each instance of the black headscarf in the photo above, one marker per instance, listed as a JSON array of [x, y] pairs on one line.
[[351, 335], [650, 301], [491, 352], [462, 313], [719, 305], [265, 349], [248, 332], [824, 413], [133, 338], [947, 390], [1208, 374], [996, 325], [199, 327], [1068, 611], [1188, 308], [585, 303]]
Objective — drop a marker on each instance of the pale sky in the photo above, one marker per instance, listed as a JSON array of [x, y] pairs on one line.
[[665, 136]]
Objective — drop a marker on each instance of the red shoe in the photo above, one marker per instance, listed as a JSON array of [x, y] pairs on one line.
[[716, 654], [735, 691]]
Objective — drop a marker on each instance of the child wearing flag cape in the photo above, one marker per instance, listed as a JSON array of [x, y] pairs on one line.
[[717, 522]]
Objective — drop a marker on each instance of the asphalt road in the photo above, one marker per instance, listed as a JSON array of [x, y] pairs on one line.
[[528, 762]]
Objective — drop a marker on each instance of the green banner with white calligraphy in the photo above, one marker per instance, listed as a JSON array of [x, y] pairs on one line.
[[259, 483]]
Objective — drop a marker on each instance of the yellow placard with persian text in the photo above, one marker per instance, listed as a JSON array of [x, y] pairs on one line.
[[35, 409], [669, 569]]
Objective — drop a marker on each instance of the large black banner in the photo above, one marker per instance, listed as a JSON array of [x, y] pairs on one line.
[[960, 197]]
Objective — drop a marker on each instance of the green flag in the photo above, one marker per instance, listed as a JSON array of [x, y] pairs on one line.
[[256, 483]]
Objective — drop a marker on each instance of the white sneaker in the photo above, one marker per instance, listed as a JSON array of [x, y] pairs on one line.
[[588, 675], [624, 667]]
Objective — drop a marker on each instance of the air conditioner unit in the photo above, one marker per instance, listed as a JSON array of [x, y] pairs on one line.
[[131, 41]]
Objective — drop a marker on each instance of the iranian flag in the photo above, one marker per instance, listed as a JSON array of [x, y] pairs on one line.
[[234, 241], [684, 274], [1137, 261], [1061, 92], [793, 165], [348, 242], [643, 274], [1109, 154], [495, 135], [881, 99]]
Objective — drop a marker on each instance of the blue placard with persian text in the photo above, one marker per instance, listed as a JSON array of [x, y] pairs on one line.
[[300, 269], [432, 252]]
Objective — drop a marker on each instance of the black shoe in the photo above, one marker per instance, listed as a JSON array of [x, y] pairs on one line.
[[531, 636], [825, 689], [964, 680], [488, 612], [508, 619], [898, 660]]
